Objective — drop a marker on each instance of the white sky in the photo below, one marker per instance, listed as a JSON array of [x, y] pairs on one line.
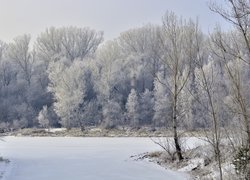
[[111, 16]]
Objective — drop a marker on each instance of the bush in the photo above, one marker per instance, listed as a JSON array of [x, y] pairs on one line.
[[242, 162]]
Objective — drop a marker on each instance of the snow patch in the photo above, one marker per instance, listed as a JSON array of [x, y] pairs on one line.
[[53, 130]]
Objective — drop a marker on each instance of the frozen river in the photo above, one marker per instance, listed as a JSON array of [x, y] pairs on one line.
[[69, 158]]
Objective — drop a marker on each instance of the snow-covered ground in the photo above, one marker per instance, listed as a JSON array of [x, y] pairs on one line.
[[69, 158]]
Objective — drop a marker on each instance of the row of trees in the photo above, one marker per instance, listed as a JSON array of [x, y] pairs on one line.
[[147, 73], [79, 85]]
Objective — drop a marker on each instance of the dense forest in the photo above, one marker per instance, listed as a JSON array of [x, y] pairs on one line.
[[169, 75]]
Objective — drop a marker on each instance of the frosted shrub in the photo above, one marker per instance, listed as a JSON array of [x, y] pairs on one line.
[[242, 162], [43, 117]]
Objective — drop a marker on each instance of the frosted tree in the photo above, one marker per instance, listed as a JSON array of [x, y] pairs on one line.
[[91, 114], [162, 104], [140, 47], [235, 12], [178, 47], [210, 78], [19, 52], [70, 42], [235, 47], [107, 70], [13, 85], [210, 100], [78, 43], [112, 114], [110, 82], [48, 45], [7, 71], [68, 86], [23, 61], [132, 107], [65, 44], [146, 107], [43, 117]]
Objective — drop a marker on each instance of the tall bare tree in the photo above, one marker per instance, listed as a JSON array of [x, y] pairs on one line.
[[70, 42], [20, 53], [208, 80], [236, 12], [177, 43]]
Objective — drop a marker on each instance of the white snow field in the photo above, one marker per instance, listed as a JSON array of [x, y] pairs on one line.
[[75, 158]]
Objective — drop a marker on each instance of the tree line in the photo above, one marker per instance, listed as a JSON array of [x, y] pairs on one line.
[[142, 77]]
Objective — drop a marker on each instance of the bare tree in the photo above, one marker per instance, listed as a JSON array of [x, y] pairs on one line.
[[142, 44], [19, 52], [206, 77], [5, 66], [70, 42], [177, 44], [237, 12], [48, 45], [233, 50], [80, 42]]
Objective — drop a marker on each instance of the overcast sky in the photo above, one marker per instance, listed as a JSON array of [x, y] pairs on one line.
[[111, 16]]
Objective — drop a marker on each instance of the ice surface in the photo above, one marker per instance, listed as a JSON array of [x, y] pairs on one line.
[[69, 158]]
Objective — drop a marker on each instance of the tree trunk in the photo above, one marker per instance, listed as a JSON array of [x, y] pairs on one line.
[[247, 128], [176, 138]]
